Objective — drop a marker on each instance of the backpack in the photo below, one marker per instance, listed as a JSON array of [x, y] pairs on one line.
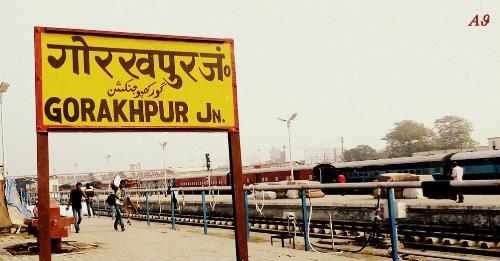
[[111, 200]]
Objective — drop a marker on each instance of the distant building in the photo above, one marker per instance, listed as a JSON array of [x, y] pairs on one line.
[[321, 154], [494, 143], [135, 166], [53, 184], [276, 155]]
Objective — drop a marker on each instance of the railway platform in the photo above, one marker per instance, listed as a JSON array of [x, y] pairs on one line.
[[98, 241], [480, 211]]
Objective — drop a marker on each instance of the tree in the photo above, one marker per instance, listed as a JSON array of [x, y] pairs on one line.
[[360, 152], [453, 132], [408, 137]]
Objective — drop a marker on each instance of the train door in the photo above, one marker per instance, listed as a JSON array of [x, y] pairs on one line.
[[324, 173]]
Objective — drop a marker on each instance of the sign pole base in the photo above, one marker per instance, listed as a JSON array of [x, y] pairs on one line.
[[42, 140], [239, 213]]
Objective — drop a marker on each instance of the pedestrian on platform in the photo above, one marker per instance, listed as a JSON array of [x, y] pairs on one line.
[[75, 201], [111, 201], [457, 174], [127, 206], [118, 195], [341, 179], [35, 210], [90, 195], [172, 193]]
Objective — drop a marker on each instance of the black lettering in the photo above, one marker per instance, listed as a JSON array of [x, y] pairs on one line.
[[208, 118], [66, 109], [216, 115], [118, 111], [181, 109], [136, 111], [87, 107], [150, 109], [170, 117], [104, 111], [53, 114]]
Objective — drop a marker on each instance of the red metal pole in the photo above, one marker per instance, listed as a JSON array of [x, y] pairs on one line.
[[42, 140], [238, 200]]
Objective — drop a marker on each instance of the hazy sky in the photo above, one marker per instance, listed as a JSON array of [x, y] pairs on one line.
[[349, 68]]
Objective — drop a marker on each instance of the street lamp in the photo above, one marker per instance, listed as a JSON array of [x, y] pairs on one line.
[[288, 123], [163, 145], [108, 162], [3, 88]]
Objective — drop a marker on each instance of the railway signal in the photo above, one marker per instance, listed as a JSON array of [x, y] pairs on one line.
[[207, 161]]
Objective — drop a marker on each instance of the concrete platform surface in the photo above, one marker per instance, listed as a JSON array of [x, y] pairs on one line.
[[158, 242]]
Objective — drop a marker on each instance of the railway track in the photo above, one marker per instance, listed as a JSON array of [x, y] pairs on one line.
[[453, 239]]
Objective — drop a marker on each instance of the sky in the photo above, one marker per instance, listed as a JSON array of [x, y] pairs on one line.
[[349, 68]]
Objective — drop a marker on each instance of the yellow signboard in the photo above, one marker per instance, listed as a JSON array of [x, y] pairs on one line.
[[95, 80]]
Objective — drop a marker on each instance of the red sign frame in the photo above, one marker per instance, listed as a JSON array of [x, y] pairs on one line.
[[42, 131]]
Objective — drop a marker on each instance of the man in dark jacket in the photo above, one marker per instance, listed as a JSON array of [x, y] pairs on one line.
[[89, 194], [75, 201]]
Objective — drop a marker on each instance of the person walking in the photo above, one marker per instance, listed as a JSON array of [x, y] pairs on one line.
[[128, 206], [457, 174], [75, 201], [90, 195], [115, 200], [172, 193]]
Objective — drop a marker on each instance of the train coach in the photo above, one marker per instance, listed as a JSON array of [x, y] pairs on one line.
[[477, 165], [223, 178], [276, 174]]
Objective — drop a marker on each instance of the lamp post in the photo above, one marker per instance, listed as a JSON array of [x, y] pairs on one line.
[[163, 145], [3, 88], [288, 124], [108, 162]]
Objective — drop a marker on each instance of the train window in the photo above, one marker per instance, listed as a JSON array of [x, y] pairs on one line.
[[276, 178]]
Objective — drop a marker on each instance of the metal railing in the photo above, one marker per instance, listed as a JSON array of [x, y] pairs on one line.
[[388, 186], [357, 185]]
